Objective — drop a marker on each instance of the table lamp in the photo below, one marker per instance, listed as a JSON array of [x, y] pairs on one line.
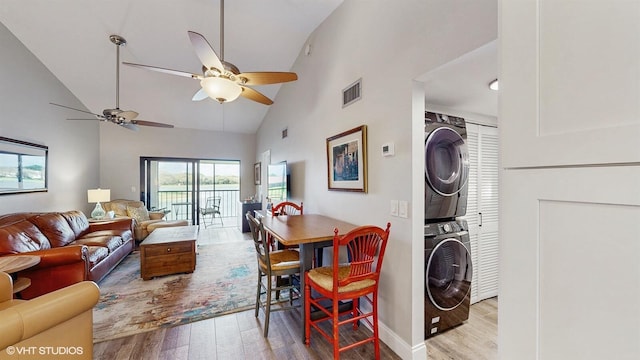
[[97, 196]]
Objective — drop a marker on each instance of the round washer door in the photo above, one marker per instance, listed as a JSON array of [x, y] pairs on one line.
[[446, 161], [448, 274]]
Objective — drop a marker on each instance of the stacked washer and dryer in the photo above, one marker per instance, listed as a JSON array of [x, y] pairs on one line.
[[448, 268]]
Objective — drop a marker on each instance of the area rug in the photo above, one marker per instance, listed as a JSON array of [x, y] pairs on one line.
[[224, 282]]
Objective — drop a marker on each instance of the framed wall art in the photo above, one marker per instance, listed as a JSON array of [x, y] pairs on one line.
[[23, 166], [347, 160], [257, 173]]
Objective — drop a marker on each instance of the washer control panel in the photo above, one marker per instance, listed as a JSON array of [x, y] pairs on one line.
[[445, 227]]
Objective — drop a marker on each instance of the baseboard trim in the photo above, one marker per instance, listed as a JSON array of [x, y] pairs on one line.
[[395, 342], [399, 346]]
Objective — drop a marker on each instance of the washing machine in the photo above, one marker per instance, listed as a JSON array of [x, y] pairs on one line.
[[448, 273], [446, 167]]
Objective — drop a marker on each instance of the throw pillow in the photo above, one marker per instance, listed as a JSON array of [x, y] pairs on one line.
[[119, 208], [140, 214]]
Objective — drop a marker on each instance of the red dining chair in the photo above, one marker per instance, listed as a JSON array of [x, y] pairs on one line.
[[287, 208], [353, 280]]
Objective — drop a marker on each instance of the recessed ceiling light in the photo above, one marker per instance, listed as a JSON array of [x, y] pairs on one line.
[[494, 85]]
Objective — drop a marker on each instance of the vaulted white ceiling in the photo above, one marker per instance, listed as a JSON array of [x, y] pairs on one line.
[[71, 38]]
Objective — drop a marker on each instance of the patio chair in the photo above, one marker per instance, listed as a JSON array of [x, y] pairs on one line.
[[211, 207]]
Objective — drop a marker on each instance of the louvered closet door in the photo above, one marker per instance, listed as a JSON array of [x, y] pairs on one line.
[[472, 205], [482, 210]]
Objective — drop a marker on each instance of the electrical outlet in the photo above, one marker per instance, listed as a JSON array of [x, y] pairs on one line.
[[394, 207], [403, 209]]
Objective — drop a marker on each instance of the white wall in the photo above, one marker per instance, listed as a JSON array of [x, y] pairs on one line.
[[570, 203], [26, 88], [121, 149], [387, 44]]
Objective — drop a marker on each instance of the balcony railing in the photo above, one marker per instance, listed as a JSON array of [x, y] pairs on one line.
[[180, 203]]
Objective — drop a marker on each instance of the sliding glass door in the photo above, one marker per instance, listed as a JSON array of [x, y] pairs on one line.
[[182, 187]]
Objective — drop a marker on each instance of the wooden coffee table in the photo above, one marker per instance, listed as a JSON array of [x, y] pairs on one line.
[[170, 250]]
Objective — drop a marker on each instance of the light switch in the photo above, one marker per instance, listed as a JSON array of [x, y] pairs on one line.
[[394, 207], [403, 209]]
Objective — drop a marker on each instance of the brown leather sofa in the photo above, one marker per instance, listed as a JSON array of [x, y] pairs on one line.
[[47, 326], [71, 249], [144, 221]]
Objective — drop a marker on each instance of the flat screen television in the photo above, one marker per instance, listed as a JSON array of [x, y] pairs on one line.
[[278, 183]]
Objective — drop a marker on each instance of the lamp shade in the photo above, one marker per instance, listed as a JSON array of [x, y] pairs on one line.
[[98, 195], [220, 88]]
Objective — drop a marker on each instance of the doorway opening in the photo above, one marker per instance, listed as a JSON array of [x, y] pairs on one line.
[[188, 189]]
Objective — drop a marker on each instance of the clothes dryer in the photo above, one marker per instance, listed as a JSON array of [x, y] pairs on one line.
[[448, 274], [446, 167]]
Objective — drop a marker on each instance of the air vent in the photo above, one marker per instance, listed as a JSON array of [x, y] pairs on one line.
[[352, 93]]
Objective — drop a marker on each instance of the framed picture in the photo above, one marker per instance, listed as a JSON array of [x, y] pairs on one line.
[[347, 160], [257, 172], [23, 166]]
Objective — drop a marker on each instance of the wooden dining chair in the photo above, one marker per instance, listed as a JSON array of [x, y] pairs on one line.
[[281, 265], [287, 208], [340, 282]]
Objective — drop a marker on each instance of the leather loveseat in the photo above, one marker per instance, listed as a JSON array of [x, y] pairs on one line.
[[58, 325], [70, 248]]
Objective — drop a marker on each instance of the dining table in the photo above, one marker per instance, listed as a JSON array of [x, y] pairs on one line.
[[308, 232]]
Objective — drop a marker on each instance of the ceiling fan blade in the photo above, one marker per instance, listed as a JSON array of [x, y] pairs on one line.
[[150, 123], [200, 95], [205, 52], [266, 77], [67, 107], [255, 95], [166, 71], [89, 119], [128, 115], [130, 126]]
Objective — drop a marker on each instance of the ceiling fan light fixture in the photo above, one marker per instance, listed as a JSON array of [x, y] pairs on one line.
[[494, 85], [221, 89]]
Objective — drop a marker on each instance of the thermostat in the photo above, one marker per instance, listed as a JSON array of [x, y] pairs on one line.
[[388, 149]]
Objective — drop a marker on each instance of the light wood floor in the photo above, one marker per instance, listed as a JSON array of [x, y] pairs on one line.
[[476, 339], [238, 336]]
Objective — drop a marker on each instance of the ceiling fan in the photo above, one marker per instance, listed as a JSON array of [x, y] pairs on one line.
[[124, 118], [221, 80]]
